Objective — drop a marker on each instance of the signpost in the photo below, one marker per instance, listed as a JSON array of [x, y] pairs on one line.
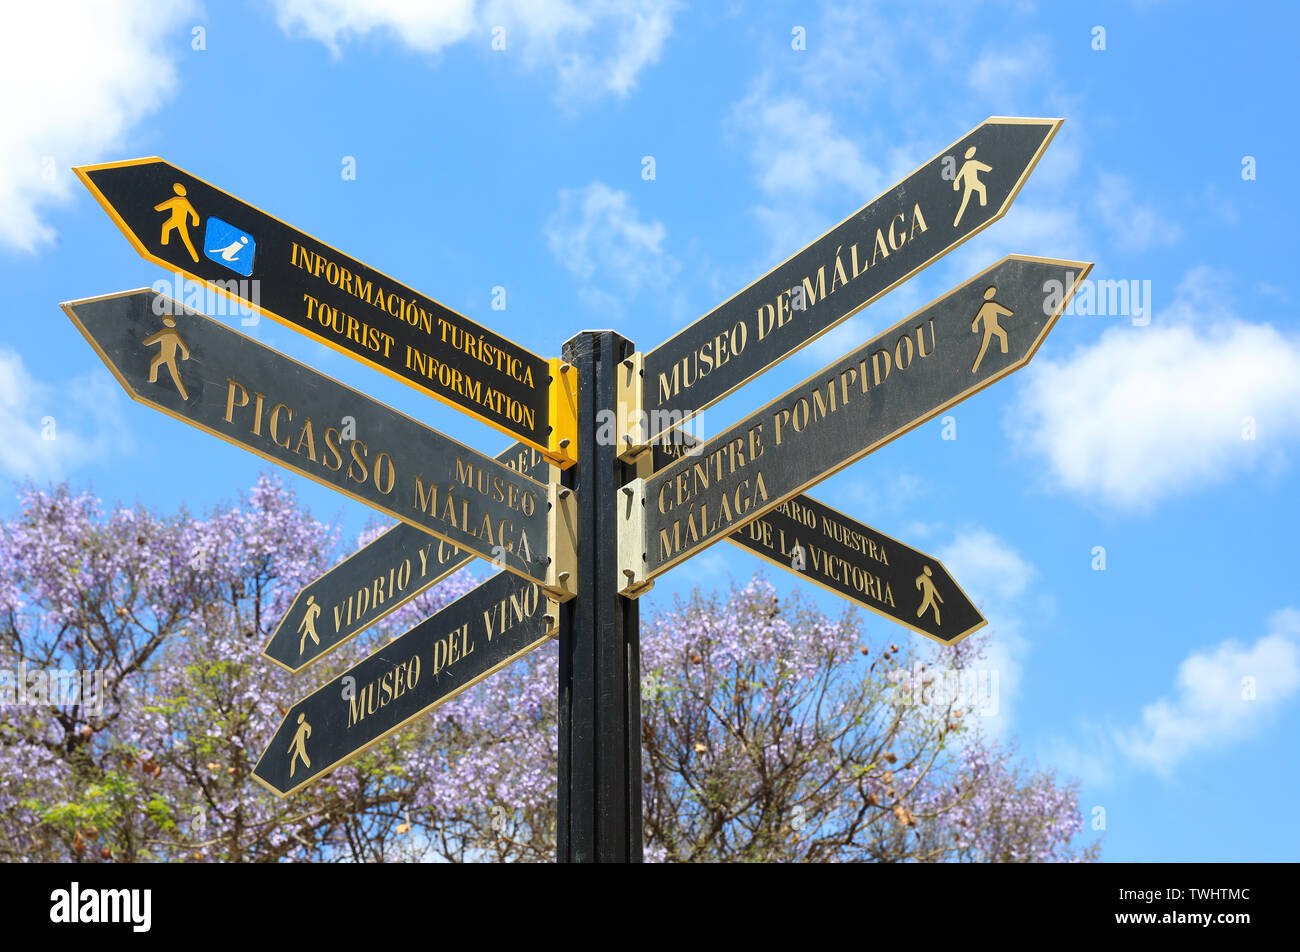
[[951, 348], [374, 581], [580, 545], [958, 193], [480, 633], [199, 371], [181, 222], [881, 574]]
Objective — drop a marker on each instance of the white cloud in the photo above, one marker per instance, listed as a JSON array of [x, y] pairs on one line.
[[1091, 759], [786, 126], [996, 577], [988, 564], [999, 74], [1135, 226], [810, 175], [852, 53], [809, 172], [1151, 412], [888, 491], [1212, 703], [425, 27], [598, 235], [78, 76], [48, 429], [793, 177], [596, 48], [1026, 226]]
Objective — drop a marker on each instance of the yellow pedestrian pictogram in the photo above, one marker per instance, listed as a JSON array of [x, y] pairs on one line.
[[298, 748], [930, 597], [988, 315], [308, 624], [168, 341], [181, 212], [968, 175]]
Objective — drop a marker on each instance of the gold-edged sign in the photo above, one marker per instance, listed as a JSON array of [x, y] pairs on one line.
[[198, 370], [849, 558], [855, 561], [955, 195], [953, 347], [375, 581], [481, 632], [181, 222]]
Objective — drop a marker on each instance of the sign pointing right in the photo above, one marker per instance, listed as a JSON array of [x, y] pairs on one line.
[[958, 193], [953, 347], [853, 560]]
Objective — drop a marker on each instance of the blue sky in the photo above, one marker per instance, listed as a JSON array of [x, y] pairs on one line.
[[1169, 682]]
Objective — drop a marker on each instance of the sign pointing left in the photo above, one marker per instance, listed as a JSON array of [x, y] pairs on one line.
[[200, 371], [375, 580], [478, 634], [181, 222]]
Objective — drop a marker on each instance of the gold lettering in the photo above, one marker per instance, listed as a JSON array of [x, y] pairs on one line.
[[306, 436], [275, 419], [358, 451], [231, 386]]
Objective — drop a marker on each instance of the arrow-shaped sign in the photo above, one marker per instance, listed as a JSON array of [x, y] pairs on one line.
[[849, 558], [198, 370], [181, 222], [881, 574], [959, 192], [951, 348], [479, 633], [374, 581]]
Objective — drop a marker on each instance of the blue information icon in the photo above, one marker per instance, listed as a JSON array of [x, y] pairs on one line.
[[229, 246]]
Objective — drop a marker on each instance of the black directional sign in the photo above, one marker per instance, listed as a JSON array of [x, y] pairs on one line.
[[183, 223], [197, 370], [849, 558], [948, 350], [843, 556], [375, 581], [959, 192], [476, 635]]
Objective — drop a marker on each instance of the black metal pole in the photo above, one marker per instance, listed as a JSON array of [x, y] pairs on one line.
[[599, 790]]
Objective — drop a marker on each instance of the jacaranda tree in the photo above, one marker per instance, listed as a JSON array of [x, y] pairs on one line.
[[770, 731]]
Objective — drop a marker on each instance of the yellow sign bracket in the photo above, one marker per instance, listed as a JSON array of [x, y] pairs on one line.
[[630, 409], [632, 541], [562, 544], [563, 414]]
